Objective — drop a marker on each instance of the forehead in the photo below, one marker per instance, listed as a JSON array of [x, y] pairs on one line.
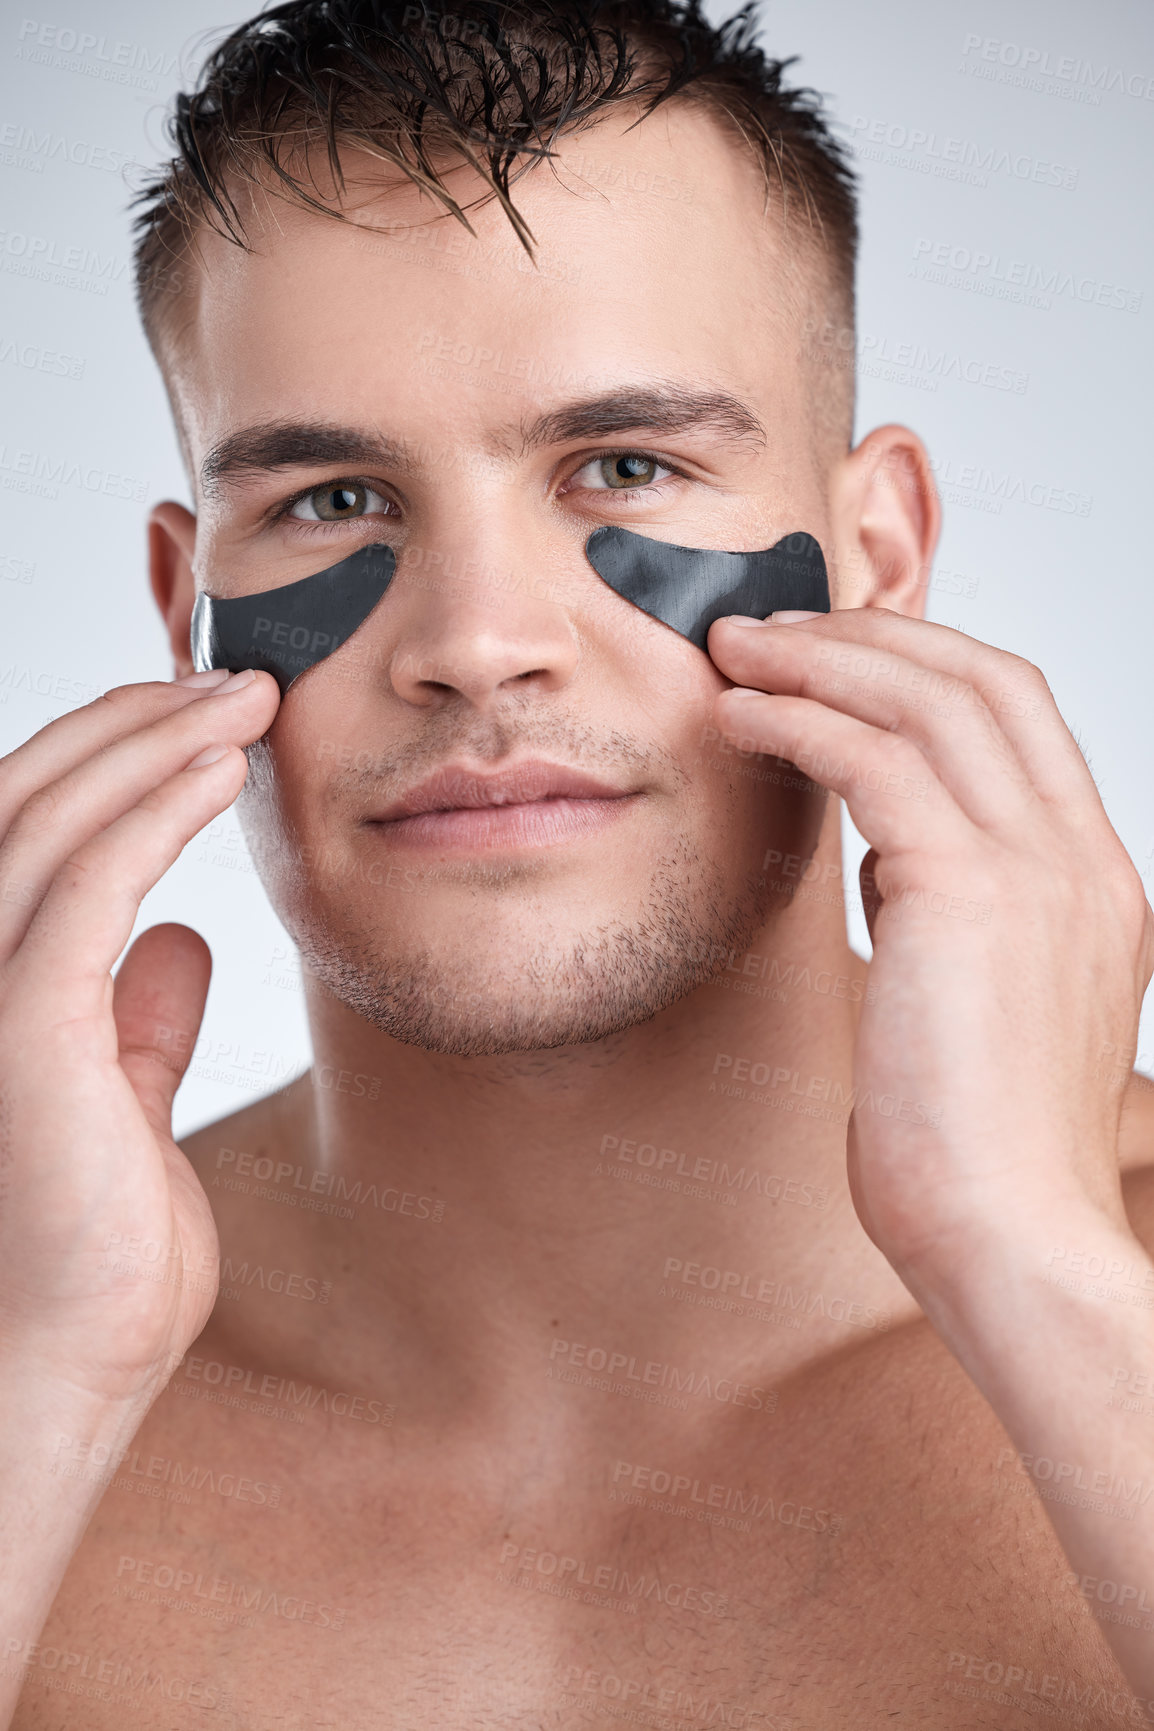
[[655, 257]]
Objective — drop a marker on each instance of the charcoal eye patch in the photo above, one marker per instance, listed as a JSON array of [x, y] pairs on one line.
[[687, 588], [286, 630]]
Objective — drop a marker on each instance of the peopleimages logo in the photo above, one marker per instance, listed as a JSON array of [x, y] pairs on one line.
[[989, 56], [713, 1500], [929, 152], [37, 472], [829, 1090], [236, 1381], [67, 49], [699, 1169], [666, 1705], [1128, 1494], [25, 147], [174, 1578], [609, 1578], [98, 1669], [131, 1469], [42, 256], [35, 359], [654, 1374], [988, 273], [732, 1284], [973, 1676]]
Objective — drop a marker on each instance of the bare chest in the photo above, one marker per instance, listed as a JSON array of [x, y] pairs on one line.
[[875, 1551]]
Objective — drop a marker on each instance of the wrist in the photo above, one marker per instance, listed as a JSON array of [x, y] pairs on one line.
[[1073, 1278], [1021, 1241], [47, 1404]]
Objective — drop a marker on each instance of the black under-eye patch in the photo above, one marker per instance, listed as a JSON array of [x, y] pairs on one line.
[[687, 588], [287, 630]]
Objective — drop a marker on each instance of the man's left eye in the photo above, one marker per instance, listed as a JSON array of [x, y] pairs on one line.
[[626, 471], [331, 504]]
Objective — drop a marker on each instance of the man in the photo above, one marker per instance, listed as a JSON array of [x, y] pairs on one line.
[[641, 1309]]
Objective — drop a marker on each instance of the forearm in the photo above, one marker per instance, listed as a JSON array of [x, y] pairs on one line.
[[58, 1448], [1055, 1361]]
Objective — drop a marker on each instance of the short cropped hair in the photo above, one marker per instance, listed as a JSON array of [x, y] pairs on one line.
[[492, 83]]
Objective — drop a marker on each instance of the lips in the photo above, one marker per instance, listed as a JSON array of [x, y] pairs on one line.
[[523, 808], [457, 788]]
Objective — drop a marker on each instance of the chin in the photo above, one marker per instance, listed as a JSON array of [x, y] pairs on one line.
[[564, 990]]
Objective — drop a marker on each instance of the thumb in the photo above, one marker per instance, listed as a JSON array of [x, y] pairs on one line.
[[158, 1003]]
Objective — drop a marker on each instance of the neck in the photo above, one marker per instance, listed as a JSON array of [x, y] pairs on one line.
[[675, 1193]]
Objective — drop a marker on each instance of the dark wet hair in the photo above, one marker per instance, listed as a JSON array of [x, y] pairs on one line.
[[494, 83]]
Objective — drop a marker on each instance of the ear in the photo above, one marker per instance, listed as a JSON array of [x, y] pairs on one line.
[[886, 520], [171, 546]]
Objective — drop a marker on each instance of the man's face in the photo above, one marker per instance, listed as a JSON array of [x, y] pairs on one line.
[[483, 418]]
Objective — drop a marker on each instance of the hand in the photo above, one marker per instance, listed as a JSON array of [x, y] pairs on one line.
[[108, 1247], [1012, 939]]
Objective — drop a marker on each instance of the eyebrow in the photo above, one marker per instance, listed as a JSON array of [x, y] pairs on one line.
[[666, 408], [261, 450], [671, 408]]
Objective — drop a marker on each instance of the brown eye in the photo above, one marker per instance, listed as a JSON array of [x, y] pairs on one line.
[[333, 503], [627, 471], [620, 472]]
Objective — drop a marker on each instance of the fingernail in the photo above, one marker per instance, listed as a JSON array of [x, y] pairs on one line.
[[213, 676], [794, 617], [236, 681], [740, 619], [210, 754]]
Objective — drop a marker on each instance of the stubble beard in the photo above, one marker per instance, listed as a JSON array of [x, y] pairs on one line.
[[489, 997], [569, 990]]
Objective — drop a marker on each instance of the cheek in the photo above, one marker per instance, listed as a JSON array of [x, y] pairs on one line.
[[746, 803], [299, 759], [284, 805], [330, 728], [730, 782]]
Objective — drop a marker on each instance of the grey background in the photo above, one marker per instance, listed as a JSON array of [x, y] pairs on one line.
[[964, 116]]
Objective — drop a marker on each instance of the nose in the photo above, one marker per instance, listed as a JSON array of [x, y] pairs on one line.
[[477, 628]]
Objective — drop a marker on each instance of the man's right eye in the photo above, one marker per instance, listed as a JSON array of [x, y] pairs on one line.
[[332, 504]]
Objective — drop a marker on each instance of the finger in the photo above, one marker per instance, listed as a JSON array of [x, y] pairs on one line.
[[158, 1001], [66, 742], [60, 972], [889, 788], [1012, 689], [60, 815], [871, 895], [944, 716]]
